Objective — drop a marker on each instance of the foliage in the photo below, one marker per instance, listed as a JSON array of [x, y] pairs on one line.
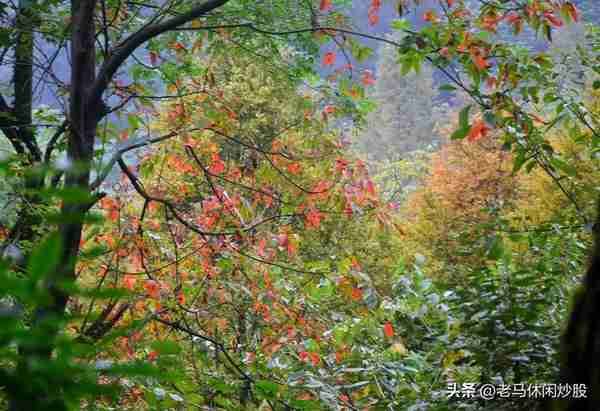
[[243, 257]]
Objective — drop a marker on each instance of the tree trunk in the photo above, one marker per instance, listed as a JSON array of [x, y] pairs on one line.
[[83, 120], [581, 341]]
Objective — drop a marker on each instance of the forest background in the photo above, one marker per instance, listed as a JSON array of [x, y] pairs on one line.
[[296, 205]]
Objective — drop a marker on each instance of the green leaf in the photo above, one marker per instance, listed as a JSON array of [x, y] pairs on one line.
[[363, 53], [267, 388], [460, 133], [566, 168], [134, 121], [166, 347], [400, 24], [447, 87], [45, 258], [463, 118], [305, 405], [496, 248], [519, 161]]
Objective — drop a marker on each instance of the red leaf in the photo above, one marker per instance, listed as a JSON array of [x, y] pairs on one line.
[[304, 355], [357, 294], [388, 330], [217, 166], [113, 215], [152, 356], [355, 264], [478, 130], [329, 58], [572, 11], [370, 187], [294, 168], [348, 210], [367, 78], [314, 358], [325, 5], [181, 298], [340, 164], [129, 281], [153, 58], [555, 21], [261, 247], [491, 82], [152, 288], [513, 18], [313, 218], [373, 18], [480, 62], [490, 23], [282, 240]]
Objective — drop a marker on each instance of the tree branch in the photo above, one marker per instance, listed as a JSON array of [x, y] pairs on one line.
[[123, 50], [128, 146]]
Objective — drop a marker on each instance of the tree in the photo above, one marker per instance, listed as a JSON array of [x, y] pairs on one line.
[[407, 112], [103, 36]]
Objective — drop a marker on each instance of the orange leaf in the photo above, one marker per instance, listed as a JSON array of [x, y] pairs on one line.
[[357, 294], [430, 16], [388, 330], [325, 5], [329, 58]]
